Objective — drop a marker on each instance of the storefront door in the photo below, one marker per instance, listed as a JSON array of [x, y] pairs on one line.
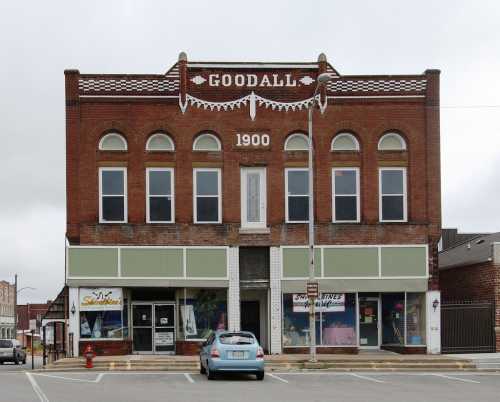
[[368, 321], [153, 327]]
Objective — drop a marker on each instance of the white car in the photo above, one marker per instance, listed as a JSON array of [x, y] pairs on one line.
[[11, 351]]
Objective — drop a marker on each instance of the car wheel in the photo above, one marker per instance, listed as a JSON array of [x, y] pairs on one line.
[[24, 360], [1, 362], [260, 375], [210, 374], [16, 360], [202, 369]]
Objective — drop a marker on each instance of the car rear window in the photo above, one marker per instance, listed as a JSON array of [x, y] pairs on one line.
[[236, 339], [5, 344]]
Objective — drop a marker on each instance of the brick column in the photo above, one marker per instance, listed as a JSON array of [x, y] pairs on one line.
[[275, 283], [233, 294]]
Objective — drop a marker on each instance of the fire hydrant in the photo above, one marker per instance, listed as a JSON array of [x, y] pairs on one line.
[[89, 357]]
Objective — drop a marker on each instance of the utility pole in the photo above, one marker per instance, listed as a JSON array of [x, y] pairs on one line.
[[15, 306]]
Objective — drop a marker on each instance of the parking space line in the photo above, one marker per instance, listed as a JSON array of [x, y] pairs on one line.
[[36, 388], [456, 378], [68, 378], [189, 378], [277, 378], [367, 378]]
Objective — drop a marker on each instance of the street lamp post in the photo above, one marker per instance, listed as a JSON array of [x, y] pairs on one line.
[[321, 80]]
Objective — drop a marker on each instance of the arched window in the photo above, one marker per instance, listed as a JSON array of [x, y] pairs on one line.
[[297, 142], [345, 142], [160, 142], [113, 142], [206, 142], [391, 142]]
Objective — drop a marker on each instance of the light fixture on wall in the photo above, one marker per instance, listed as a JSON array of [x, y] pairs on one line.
[[435, 304], [73, 309]]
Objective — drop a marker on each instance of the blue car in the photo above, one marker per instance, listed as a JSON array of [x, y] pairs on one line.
[[235, 352]]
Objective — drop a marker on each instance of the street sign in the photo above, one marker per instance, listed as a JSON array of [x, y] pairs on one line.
[[32, 325], [312, 289]]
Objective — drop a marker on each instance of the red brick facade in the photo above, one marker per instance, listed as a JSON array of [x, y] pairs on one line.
[[478, 282], [415, 117]]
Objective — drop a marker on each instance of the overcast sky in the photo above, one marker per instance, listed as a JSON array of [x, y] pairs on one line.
[[39, 39]]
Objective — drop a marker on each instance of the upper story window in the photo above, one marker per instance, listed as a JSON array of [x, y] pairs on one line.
[[297, 142], [297, 195], [113, 142], [206, 142], [207, 195], [112, 195], [160, 195], [345, 198], [160, 142], [253, 197], [345, 142], [392, 195], [391, 142]]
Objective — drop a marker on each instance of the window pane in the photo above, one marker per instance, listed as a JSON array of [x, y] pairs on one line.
[[160, 209], [295, 324], [392, 182], [393, 318], [101, 324], [392, 208], [113, 208], [207, 209], [207, 183], [298, 208], [112, 182], [345, 182], [205, 311], [339, 327], [346, 208], [159, 182], [298, 182], [415, 318], [253, 197]]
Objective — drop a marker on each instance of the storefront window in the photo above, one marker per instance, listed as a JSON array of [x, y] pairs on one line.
[[101, 313], [203, 311], [335, 319], [101, 324], [339, 327], [415, 318], [393, 319]]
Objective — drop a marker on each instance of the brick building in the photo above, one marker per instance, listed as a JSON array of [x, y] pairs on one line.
[[27, 312], [187, 207], [470, 271], [7, 300]]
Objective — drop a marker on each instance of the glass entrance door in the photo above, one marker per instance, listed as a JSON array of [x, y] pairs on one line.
[[142, 332], [164, 330], [368, 321]]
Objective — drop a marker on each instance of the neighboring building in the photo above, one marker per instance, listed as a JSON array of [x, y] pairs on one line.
[[470, 272], [26, 313], [7, 317], [451, 237], [187, 208]]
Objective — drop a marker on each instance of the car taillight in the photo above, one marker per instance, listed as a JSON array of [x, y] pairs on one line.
[[214, 352], [260, 353]]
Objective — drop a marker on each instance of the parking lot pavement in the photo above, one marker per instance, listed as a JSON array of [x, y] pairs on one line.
[[8, 366], [299, 386]]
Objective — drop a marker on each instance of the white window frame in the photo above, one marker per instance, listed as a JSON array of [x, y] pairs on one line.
[[160, 134], [263, 197], [405, 194], [219, 195], [125, 194], [172, 195], [341, 135], [219, 145], [395, 135], [113, 134], [291, 136], [297, 195], [358, 196]]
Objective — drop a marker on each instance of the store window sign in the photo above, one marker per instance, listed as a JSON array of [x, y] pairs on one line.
[[164, 338], [101, 299], [325, 303]]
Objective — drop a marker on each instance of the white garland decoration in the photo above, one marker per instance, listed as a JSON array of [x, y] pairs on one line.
[[253, 99]]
